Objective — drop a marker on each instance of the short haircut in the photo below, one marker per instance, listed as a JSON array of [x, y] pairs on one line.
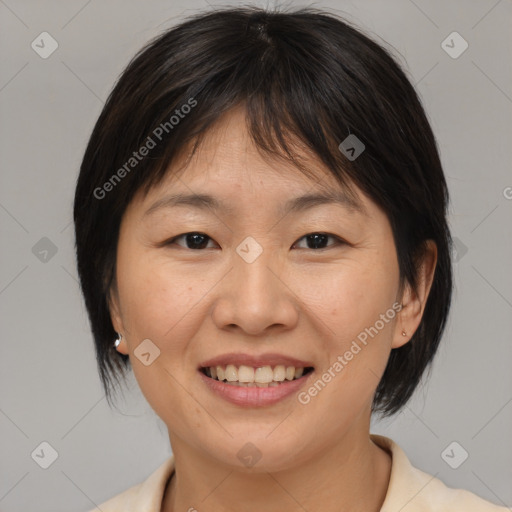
[[304, 75]]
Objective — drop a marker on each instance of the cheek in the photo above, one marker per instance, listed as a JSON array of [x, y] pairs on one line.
[[157, 295], [351, 303], [357, 346], [352, 296], [157, 304]]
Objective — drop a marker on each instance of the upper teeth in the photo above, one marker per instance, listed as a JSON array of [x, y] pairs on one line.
[[262, 375]]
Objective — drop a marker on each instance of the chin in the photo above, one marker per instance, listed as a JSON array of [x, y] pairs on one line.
[[254, 453]]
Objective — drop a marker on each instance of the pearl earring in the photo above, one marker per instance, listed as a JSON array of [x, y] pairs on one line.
[[118, 341], [404, 333]]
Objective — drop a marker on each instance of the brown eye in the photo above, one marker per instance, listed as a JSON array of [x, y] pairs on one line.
[[319, 240], [194, 240]]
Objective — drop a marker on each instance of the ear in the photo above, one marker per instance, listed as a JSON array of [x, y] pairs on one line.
[[414, 302], [116, 317]]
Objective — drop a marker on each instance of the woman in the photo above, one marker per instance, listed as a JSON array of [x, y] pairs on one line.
[[261, 236]]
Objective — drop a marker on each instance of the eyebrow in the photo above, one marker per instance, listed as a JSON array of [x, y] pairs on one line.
[[297, 204]]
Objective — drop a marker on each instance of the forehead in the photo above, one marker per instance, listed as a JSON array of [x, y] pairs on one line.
[[228, 168], [228, 152]]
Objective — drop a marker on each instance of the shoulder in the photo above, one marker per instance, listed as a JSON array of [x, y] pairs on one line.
[[146, 496], [412, 490]]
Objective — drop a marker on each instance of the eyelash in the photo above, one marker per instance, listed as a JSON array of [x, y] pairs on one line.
[[339, 241]]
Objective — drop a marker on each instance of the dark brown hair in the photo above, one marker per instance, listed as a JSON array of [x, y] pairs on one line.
[[305, 75]]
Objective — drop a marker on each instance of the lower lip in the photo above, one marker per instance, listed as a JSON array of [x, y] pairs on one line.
[[254, 396]]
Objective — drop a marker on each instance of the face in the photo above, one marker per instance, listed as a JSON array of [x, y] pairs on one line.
[[252, 284]]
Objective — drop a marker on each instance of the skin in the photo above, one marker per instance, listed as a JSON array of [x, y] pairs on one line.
[[294, 299]]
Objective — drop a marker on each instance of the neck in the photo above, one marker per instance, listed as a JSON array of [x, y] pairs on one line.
[[351, 476]]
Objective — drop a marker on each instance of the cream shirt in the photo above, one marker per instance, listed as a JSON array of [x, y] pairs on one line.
[[409, 490]]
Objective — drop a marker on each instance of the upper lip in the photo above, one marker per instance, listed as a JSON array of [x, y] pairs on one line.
[[238, 359]]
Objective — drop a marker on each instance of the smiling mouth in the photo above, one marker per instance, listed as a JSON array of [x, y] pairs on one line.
[[261, 377]]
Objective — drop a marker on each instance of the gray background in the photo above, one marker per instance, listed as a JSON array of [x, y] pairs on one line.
[[49, 388]]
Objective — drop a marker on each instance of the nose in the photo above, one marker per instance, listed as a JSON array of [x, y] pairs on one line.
[[256, 298]]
